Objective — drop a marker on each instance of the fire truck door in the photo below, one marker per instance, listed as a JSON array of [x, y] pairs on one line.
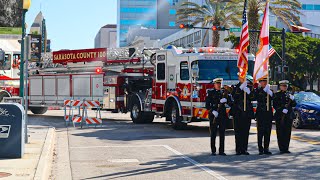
[[171, 80]]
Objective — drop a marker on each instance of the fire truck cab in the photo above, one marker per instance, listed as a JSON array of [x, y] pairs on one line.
[[9, 79]]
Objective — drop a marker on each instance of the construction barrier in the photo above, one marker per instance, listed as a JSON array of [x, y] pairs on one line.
[[72, 110], [70, 106], [92, 120]]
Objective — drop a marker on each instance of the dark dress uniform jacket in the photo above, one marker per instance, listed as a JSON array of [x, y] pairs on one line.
[[264, 119], [213, 104], [283, 125]]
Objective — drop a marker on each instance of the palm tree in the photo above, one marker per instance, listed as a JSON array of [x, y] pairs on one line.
[[212, 13], [287, 11]]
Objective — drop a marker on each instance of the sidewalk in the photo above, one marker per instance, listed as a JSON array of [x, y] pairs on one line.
[[37, 160]]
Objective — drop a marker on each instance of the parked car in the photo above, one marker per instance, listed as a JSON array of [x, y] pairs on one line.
[[307, 111]]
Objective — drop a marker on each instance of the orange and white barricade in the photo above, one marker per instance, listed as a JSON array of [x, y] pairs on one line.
[[72, 111], [92, 120]]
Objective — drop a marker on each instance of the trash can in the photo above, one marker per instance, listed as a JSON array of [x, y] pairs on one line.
[[12, 130]]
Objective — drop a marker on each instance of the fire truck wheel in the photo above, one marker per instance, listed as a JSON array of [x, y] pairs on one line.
[[135, 113], [3, 94], [175, 118], [38, 110]]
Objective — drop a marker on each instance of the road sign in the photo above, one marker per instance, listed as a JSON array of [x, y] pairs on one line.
[[235, 29]]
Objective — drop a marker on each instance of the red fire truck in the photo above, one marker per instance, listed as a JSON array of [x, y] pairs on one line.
[[9, 78], [170, 83]]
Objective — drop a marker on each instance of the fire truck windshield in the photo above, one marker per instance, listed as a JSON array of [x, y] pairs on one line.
[[7, 64], [226, 69]]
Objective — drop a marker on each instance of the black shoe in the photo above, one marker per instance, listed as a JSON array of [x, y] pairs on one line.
[[268, 153], [213, 154], [238, 153], [288, 152], [222, 154], [260, 153], [245, 153], [282, 152]]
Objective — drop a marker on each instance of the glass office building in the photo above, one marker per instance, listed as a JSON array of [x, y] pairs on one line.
[[152, 14], [137, 12]]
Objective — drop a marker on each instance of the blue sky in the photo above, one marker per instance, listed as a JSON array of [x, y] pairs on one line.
[[73, 24]]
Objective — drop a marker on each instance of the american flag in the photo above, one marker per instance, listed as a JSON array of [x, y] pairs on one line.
[[271, 51], [244, 43]]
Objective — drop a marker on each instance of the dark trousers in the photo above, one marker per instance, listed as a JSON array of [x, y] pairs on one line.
[[264, 126], [284, 133], [242, 125], [219, 124]]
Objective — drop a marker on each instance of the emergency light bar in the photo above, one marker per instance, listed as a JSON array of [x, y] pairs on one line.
[[208, 50]]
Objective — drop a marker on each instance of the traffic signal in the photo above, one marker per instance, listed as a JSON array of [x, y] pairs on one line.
[[185, 26], [218, 28]]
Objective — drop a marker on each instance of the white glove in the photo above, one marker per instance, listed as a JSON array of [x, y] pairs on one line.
[[267, 88], [291, 97], [270, 92], [215, 113], [247, 90], [223, 100], [285, 111], [243, 85]]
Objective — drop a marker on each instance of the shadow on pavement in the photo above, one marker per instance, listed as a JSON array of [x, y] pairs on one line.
[[253, 166]]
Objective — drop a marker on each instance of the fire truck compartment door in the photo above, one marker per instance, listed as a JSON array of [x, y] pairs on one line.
[[97, 86], [49, 91], [36, 96], [63, 88], [171, 78], [89, 87], [109, 100]]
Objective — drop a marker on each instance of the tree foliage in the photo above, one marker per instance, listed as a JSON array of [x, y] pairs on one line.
[[212, 13], [287, 11], [302, 57]]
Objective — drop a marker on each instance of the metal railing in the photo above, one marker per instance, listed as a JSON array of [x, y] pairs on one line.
[[313, 35]]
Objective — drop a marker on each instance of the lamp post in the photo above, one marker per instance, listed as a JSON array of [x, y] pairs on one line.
[[25, 6]]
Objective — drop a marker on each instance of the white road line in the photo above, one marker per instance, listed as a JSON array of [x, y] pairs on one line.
[[195, 163], [199, 165], [129, 146]]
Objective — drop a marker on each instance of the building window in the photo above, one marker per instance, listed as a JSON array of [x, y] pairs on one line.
[[172, 11], [172, 23], [311, 7]]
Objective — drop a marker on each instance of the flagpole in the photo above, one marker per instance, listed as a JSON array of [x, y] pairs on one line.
[[268, 79], [268, 96], [244, 93]]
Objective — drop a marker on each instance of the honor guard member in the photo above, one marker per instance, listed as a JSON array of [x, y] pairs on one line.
[[242, 114], [283, 103], [264, 116], [215, 103]]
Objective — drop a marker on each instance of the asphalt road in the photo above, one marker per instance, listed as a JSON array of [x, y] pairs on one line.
[[123, 150]]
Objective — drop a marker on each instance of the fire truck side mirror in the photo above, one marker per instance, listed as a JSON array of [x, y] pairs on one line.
[[195, 71], [2, 55], [132, 51]]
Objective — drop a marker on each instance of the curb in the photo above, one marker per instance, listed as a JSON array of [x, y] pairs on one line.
[[44, 166]]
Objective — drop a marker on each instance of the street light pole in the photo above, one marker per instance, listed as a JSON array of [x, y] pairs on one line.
[[25, 6], [21, 89]]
